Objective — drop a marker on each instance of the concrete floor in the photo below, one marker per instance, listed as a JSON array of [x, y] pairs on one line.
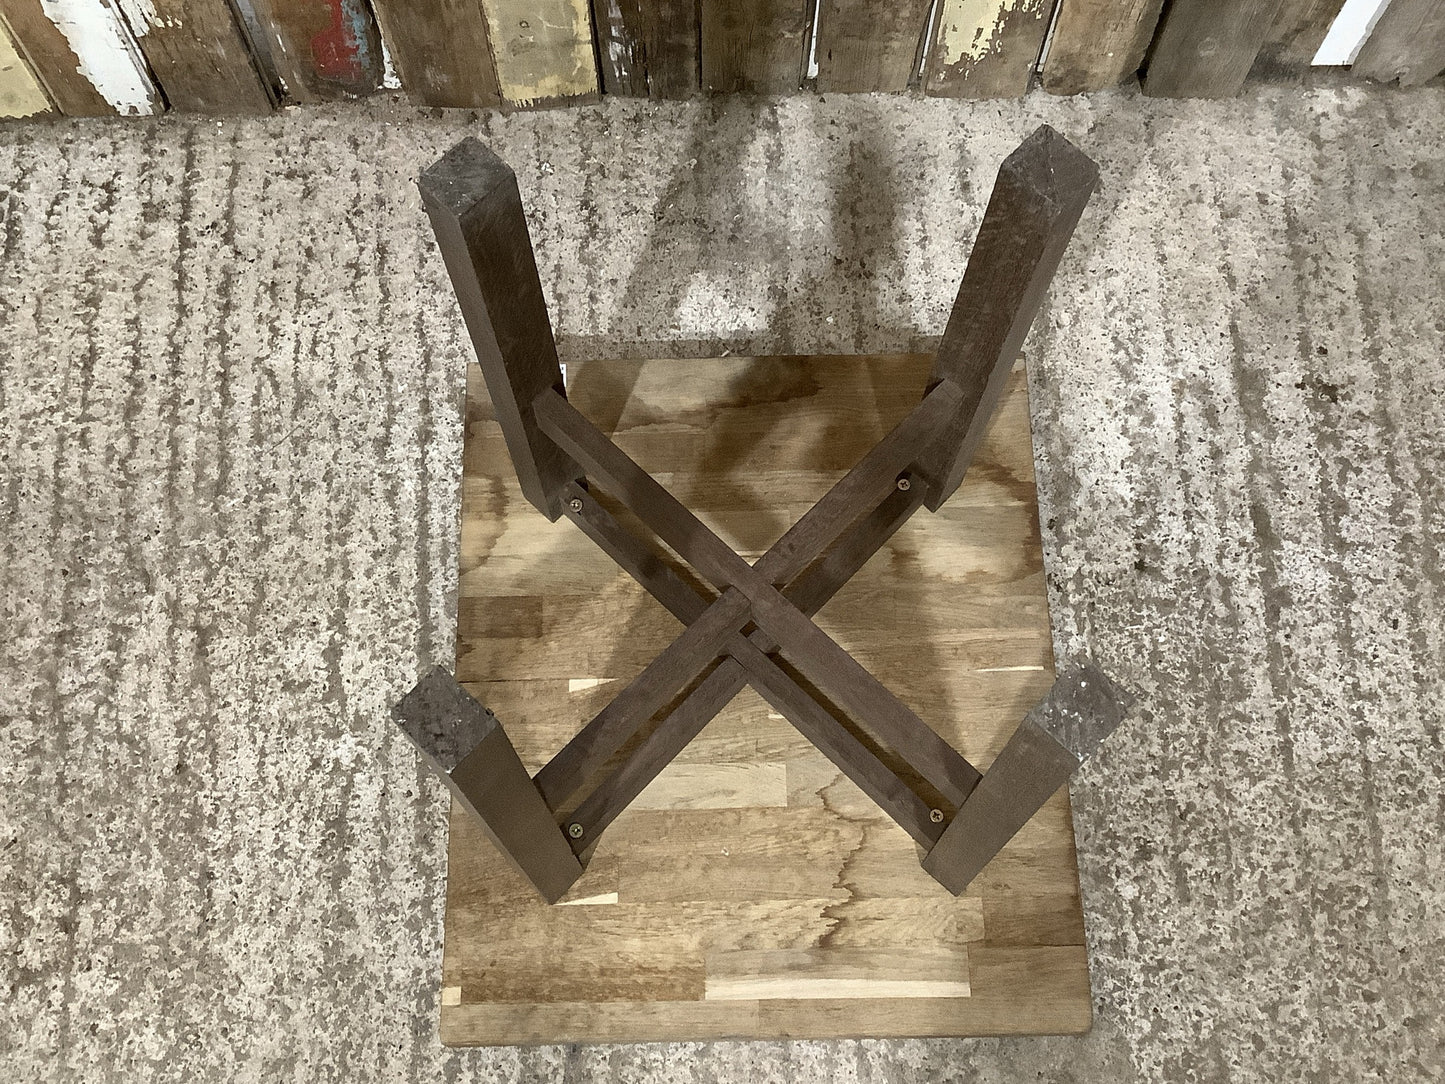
[[229, 378]]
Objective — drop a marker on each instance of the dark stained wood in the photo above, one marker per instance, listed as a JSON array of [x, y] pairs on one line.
[[680, 662], [616, 472], [752, 46], [1098, 44], [859, 491], [686, 721], [1205, 48], [56, 66], [808, 647], [987, 49], [1040, 192], [659, 749], [475, 208], [865, 46], [442, 51], [851, 756], [322, 50], [1408, 44], [1082, 709], [643, 563], [200, 56], [871, 704], [466, 746], [1294, 38], [647, 48], [811, 590]]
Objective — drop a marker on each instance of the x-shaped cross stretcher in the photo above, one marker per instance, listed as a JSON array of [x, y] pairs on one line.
[[757, 629]]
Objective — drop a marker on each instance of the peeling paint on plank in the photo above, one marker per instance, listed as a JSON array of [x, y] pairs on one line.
[[106, 52], [543, 50], [988, 48]]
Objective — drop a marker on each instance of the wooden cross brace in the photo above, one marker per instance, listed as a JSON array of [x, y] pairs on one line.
[[757, 627]]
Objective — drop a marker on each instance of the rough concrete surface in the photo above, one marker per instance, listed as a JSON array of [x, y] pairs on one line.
[[230, 374]]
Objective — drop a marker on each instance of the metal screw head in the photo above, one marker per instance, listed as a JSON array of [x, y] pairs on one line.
[[575, 504], [904, 484], [574, 830], [936, 816]]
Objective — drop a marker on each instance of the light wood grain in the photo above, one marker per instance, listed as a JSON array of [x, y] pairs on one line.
[[755, 891], [814, 974]]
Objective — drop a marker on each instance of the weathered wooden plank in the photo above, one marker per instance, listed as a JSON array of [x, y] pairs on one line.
[[84, 55], [543, 50], [647, 48], [987, 48], [1299, 28], [21, 94], [752, 46], [1205, 48], [1098, 43], [199, 54], [321, 50], [1408, 44], [442, 51], [864, 45]]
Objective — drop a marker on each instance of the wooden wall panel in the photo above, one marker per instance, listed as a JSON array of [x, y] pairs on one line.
[[442, 51], [752, 46], [21, 94], [1294, 39], [543, 50], [647, 48], [321, 49], [84, 55], [864, 45], [1408, 44], [1098, 44], [1205, 48], [987, 48], [199, 55]]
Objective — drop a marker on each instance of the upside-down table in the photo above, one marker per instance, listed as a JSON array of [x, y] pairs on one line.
[[646, 848]]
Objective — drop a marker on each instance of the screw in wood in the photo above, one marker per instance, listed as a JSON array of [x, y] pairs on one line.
[[904, 484], [936, 816], [576, 505], [574, 829]]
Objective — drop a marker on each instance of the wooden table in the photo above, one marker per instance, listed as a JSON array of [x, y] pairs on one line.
[[753, 891]]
